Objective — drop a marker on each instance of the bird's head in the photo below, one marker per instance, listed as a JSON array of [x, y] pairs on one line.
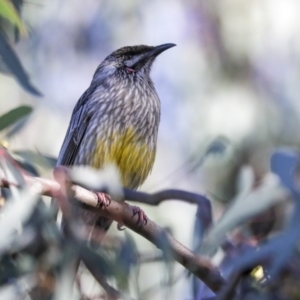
[[130, 60]]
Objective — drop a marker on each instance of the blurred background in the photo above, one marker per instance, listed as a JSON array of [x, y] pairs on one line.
[[234, 76]]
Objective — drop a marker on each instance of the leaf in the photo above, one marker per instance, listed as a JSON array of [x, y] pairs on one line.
[[12, 174], [63, 289], [14, 65], [28, 167], [18, 6], [14, 214], [8, 11], [11, 170], [14, 115], [284, 163], [217, 146], [42, 160], [96, 262], [126, 259], [8, 269], [268, 193]]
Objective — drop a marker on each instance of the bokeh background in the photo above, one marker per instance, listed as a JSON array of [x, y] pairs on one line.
[[234, 75]]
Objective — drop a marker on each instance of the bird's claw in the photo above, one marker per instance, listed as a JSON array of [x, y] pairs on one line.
[[120, 227], [104, 200], [142, 218]]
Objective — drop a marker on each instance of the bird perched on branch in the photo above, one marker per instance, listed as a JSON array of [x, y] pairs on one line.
[[116, 121]]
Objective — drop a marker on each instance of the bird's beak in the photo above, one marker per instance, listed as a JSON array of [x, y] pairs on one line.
[[159, 49], [137, 59]]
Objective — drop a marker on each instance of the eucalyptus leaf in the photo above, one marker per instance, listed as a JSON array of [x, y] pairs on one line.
[[96, 261], [12, 171], [13, 176], [285, 164], [11, 60], [15, 128], [37, 158], [14, 214], [29, 168], [14, 116], [8, 269], [268, 193], [63, 289], [8, 11], [126, 259], [18, 4]]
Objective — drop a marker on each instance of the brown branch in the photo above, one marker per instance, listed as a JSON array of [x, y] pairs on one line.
[[122, 212]]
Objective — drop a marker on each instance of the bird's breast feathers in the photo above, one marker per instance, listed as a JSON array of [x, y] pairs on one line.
[[133, 156], [122, 131]]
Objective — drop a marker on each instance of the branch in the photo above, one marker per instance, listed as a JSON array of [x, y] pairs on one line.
[[157, 198], [122, 213]]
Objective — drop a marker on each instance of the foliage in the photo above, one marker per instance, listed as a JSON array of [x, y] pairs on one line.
[[14, 115], [10, 10], [41, 249], [256, 240]]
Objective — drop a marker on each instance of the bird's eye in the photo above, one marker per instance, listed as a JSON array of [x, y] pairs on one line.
[[128, 64], [129, 70]]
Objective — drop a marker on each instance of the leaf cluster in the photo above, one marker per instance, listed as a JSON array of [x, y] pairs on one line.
[[10, 20]]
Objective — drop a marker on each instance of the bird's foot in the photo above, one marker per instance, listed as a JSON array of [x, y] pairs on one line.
[[142, 218], [120, 227], [103, 200], [141, 221]]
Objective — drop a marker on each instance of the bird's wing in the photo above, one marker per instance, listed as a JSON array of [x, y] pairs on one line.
[[78, 124]]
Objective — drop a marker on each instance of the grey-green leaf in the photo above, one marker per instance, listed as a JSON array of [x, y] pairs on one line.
[[37, 158], [14, 65], [14, 115]]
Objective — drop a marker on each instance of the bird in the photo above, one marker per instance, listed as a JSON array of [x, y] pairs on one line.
[[116, 121]]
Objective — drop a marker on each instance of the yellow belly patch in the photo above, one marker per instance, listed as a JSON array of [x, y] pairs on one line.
[[133, 157]]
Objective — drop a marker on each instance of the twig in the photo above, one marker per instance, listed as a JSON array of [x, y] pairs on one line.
[[157, 198], [122, 213]]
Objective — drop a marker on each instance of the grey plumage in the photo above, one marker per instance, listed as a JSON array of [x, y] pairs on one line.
[[116, 119]]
